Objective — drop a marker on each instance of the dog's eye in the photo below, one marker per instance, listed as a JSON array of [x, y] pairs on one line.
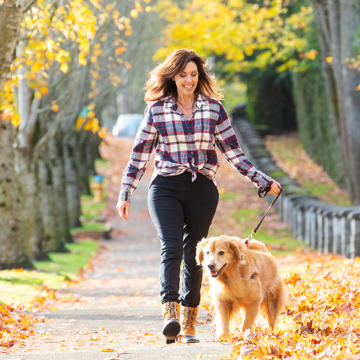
[[207, 253], [221, 253]]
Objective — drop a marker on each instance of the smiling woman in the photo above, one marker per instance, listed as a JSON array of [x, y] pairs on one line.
[[183, 122]]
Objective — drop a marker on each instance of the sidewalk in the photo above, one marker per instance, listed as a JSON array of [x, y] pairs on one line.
[[121, 309]]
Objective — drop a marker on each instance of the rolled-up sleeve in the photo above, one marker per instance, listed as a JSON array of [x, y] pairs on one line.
[[145, 142], [227, 142]]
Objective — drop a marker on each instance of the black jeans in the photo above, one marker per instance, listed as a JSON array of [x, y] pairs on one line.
[[182, 212]]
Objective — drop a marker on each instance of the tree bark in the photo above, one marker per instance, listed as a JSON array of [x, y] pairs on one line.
[[71, 178], [54, 240], [10, 17], [90, 153], [81, 163], [12, 252], [337, 22], [30, 210], [58, 175]]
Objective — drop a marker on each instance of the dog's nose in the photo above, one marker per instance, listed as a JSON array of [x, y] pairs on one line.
[[211, 266]]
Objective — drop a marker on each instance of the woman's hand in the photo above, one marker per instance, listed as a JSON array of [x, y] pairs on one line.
[[275, 188], [123, 207]]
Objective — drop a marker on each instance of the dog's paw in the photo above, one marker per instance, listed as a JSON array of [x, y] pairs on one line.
[[221, 335]]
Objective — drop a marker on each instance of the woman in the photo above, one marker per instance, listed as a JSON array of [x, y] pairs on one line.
[[183, 122]]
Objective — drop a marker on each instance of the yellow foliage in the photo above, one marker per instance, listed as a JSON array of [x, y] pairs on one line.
[[79, 122], [120, 50], [82, 60], [134, 13], [311, 55], [15, 120], [44, 90], [102, 132], [95, 74], [236, 30], [48, 32], [64, 68]]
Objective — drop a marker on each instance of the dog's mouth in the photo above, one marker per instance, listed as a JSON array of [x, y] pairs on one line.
[[216, 274]]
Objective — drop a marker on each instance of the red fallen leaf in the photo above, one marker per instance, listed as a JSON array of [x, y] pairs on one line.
[[8, 343], [315, 341]]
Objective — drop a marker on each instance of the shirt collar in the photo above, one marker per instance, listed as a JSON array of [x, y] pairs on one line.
[[201, 100]]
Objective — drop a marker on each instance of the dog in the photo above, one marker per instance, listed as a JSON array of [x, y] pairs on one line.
[[242, 275]]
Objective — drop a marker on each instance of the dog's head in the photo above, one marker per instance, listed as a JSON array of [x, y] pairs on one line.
[[219, 253]]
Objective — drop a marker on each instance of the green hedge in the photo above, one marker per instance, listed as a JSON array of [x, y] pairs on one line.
[[269, 105]]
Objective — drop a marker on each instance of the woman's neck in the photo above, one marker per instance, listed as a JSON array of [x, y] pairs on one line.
[[186, 99]]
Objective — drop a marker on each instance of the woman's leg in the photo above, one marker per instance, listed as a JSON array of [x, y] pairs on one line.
[[166, 211], [199, 211]]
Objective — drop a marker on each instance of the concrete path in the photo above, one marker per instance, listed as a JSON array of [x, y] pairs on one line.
[[119, 307]]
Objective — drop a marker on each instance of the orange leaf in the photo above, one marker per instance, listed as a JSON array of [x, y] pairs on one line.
[[55, 108]]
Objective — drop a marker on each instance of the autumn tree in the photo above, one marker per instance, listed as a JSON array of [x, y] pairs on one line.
[[66, 68], [11, 252], [338, 30]]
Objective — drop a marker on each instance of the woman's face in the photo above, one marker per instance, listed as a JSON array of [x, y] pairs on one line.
[[187, 80]]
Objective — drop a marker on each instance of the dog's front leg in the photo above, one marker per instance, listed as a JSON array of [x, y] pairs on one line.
[[222, 318], [250, 315]]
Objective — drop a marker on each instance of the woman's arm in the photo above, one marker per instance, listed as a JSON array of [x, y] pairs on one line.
[[145, 142], [226, 141]]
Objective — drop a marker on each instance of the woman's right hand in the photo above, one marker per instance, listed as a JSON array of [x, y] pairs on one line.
[[123, 207]]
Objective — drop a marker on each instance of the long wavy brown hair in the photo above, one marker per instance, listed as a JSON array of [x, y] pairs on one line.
[[160, 83]]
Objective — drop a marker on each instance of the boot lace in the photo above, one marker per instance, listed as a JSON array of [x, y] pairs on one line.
[[189, 318], [171, 309]]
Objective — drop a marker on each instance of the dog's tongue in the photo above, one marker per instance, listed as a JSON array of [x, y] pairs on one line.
[[213, 272]]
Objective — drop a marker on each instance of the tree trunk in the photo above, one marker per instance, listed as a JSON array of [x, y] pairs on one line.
[[10, 17], [12, 251], [337, 21], [54, 241], [30, 210], [90, 153], [59, 188], [71, 178], [81, 163]]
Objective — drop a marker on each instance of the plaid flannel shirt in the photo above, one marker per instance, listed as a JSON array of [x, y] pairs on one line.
[[186, 145]]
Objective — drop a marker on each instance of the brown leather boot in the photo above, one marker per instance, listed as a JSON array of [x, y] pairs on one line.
[[171, 313], [188, 320]]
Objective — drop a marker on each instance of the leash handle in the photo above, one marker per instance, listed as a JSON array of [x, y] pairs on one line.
[[264, 189]]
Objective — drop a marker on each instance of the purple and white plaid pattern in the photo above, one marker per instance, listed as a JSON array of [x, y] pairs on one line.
[[186, 145]]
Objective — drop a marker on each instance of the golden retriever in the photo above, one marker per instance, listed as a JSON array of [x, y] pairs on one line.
[[242, 275]]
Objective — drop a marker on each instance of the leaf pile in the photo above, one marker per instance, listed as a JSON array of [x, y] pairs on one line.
[[322, 318], [14, 327]]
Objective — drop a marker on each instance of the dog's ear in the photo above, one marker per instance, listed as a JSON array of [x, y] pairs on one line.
[[235, 249], [200, 251]]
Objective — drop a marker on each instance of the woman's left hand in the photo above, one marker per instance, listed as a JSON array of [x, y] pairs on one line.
[[275, 188]]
